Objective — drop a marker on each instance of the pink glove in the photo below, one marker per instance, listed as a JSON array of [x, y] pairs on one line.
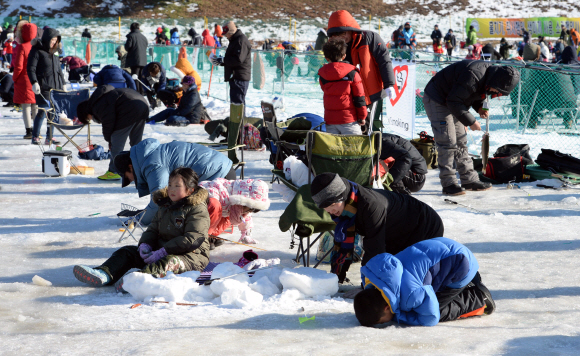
[[144, 251], [156, 256]]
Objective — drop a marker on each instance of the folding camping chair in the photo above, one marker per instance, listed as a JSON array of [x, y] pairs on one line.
[[353, 157], [234, 139], [135, 215], [66, 102]]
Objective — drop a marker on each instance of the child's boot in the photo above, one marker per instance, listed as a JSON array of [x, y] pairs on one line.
[[119, 283], [489, 303], [93, 276]]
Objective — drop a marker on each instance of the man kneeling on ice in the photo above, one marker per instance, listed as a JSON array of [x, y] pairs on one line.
[[433, 280], [389, 221]]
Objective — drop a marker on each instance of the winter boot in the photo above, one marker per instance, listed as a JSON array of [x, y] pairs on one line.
[[94, 277], [489, 303], [119, 283], [476, 186], [28, 135], [36, 141], [453, 190]]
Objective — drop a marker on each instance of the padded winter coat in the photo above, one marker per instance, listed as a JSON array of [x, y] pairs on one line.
[[367, 50], [181, 228], [471, 38], [190, 106], [175, 38], [238, 59], [74, 62], [136, 46], [23, 93], [196, 39], [409, 280], [44, 67], [162, 78], [208, 39], [117, 109], [111, 73], [412, 41], [464, 84], [436, 36], [344, 95], [406, 156], [184, 68], [321, 40], [391, 222]]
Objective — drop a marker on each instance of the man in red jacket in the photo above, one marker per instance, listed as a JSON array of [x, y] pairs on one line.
[[344, 96], [368, 50]]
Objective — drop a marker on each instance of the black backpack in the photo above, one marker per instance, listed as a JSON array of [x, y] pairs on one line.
[[509, 163]]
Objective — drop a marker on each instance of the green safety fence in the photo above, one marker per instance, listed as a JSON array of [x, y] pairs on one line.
[[542, 110]]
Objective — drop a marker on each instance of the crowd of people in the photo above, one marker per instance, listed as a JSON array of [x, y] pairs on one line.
[[411, 273]]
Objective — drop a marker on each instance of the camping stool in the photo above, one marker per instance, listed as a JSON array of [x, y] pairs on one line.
[[131, 212]]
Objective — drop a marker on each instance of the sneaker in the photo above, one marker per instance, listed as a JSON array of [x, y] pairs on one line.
[[489, 302], [476, 186], [36, 141], [94, 277], [453, 190], [28, 135], [109, 176], [119, 284], [48, 142]]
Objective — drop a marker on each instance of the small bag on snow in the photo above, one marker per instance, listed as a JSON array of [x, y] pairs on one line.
[[558, 161]]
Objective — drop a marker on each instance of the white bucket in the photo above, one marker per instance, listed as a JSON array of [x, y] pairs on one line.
[[56, 163]]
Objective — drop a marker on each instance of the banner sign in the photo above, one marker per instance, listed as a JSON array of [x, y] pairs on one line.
[[400, 110], [536, 26]]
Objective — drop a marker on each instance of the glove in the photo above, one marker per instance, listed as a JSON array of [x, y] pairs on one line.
[[36, 88], [144, 251], [156, 256], [152, 122], [390, 92], [217, 61], [247, 237]]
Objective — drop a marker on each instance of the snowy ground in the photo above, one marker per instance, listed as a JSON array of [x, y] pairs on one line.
[[526, 246]]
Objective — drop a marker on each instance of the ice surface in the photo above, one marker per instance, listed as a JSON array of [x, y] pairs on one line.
[[310, 281]]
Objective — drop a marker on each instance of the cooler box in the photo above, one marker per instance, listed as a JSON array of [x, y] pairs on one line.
[[56, 163]]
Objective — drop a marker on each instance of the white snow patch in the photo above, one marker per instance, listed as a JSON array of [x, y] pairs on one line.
[[310, 281]]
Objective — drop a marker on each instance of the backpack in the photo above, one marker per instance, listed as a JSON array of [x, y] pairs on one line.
[[509, 163], [426, 147], [251, 138]]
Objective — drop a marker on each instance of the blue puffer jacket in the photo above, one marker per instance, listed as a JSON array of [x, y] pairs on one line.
[[153, 162], [112, 73], [175, 39], [162, 78], [410, 279]]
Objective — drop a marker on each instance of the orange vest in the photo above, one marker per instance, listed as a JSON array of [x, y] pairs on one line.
[[369, 70]]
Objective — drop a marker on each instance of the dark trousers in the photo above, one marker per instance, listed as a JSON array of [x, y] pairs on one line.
[[455, 302], [449, 51], [119, 138], [127, 257], [137, 70], [39, 119], [170, 117], [411, 182], [238, 89], [231, 174]]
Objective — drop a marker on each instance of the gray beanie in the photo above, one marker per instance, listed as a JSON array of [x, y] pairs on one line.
[[329, 188]]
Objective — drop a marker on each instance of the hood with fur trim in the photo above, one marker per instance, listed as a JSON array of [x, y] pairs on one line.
[[161, 198], [252, 193]]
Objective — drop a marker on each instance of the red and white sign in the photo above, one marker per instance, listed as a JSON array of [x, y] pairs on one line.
[[400, 117]]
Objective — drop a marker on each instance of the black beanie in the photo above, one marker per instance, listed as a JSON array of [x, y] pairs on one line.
[[329, 188]]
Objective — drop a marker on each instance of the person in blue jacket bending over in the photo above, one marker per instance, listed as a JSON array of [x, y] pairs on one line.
[[149, 164], [428, 282], [113, 75]]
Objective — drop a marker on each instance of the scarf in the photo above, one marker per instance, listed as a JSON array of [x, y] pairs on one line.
[[345, 230]]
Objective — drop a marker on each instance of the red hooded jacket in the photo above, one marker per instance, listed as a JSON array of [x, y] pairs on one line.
[[74, 62], [344, 95], [208, 39], [22, 88], [367, 50]]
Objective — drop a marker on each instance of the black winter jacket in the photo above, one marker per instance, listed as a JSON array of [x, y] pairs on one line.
[[449, 37], [464, 84], [406, 156], [237, 60], [136, 47], [504, 50], [436, 36], [86, 34], [321, 40], [493, 54], [196, 39], [117, 109], [390, 222], [190, 106], [43, 67]]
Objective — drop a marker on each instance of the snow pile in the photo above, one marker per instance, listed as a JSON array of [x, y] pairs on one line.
[[238, 291]]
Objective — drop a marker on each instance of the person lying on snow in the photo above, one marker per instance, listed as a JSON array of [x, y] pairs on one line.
[[389, 221], [231, 203], [189, 110], [175, 241], [431, 281]]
